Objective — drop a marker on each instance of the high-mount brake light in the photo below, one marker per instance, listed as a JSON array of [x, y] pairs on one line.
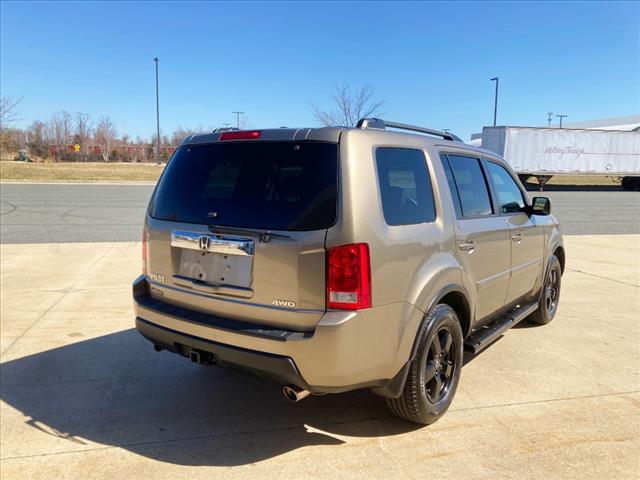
[[349, 277], [241, 135]]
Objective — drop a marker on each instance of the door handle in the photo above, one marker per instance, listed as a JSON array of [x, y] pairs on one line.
[[467, 245], [516, 237]]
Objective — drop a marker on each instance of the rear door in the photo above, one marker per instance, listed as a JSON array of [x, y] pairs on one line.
[[237, 229], [482, 236], [527, 237]]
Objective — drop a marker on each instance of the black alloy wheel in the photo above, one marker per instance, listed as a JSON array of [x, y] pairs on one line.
[[551, 290], [441, 362]]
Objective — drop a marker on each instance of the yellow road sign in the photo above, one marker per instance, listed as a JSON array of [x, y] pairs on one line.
[[76, 147]]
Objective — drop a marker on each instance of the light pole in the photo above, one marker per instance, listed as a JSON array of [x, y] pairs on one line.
[[549, 118], [561, 117], [157, 115], [226, 125], [238, 119], [495, 103]]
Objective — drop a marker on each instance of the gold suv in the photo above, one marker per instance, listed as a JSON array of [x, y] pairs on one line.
[[333, 259]]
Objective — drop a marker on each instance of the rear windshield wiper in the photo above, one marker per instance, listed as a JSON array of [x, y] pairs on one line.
[[263, 236]]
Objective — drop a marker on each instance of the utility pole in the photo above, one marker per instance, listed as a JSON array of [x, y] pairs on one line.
[[561, 117], [238, 119], [495, 103], [549, 118], [226, 125], [157, 115]]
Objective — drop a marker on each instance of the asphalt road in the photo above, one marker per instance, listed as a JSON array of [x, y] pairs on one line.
[[60, 213]]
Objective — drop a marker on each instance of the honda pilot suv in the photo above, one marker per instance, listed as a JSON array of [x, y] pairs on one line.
[[333, 259]]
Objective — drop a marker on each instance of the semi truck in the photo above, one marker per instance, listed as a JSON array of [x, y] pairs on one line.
[[545, 152]]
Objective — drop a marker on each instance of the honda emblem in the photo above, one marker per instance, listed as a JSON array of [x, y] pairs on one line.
[[205, 243]]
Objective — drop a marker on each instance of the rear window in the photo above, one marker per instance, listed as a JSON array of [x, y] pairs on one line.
[[405, 187], [271, 185]]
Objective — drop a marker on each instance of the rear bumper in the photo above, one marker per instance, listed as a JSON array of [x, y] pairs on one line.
[[347, 350], [276, 367]]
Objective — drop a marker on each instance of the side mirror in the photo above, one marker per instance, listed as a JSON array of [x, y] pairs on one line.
[[540, 206]]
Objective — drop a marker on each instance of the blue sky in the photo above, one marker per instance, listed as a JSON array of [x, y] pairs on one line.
[[430, 62]]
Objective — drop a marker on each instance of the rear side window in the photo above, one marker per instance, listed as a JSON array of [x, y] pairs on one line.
[[405, 186], [471, 185], [509, 195], [271, 185]]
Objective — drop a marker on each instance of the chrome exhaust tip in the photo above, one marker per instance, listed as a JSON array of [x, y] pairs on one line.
[[294, 394]]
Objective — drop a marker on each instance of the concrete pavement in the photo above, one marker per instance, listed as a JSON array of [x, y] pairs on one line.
[[48, 213], [84, 396]]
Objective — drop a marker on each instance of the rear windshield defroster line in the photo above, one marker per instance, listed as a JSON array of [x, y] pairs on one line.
[[267, 185]]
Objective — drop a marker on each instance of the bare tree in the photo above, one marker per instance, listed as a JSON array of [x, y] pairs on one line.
[[105, 135], [82, 130], [61, 129], [180, 134], [9, 112], [140, 154], [61, 125], [10, 141], [349, 106], [39, 135]]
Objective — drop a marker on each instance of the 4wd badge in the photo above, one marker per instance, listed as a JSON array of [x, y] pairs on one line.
[[283, 303]]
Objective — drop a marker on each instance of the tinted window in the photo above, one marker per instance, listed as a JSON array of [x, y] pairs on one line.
[[405, 186], [509, 195], [452, 185], [471, 185], [275, 185]]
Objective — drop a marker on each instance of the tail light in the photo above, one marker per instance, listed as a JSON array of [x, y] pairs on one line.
[[144, 251], [241, 135], [349, 277]]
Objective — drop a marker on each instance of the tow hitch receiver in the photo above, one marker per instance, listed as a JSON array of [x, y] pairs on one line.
[[202, 358]]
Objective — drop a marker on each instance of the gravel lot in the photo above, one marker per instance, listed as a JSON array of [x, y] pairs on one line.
[[47, 213]]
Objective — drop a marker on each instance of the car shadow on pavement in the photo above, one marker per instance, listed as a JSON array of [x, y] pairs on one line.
[[115, 390]]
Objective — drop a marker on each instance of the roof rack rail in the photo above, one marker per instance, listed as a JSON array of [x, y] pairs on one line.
[[383, 124], [224, 129]]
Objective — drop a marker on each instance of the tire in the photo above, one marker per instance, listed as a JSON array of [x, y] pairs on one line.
[[550, 294], [432, 380]]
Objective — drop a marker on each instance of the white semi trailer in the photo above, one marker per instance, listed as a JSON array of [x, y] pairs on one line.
[[545, 152]]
